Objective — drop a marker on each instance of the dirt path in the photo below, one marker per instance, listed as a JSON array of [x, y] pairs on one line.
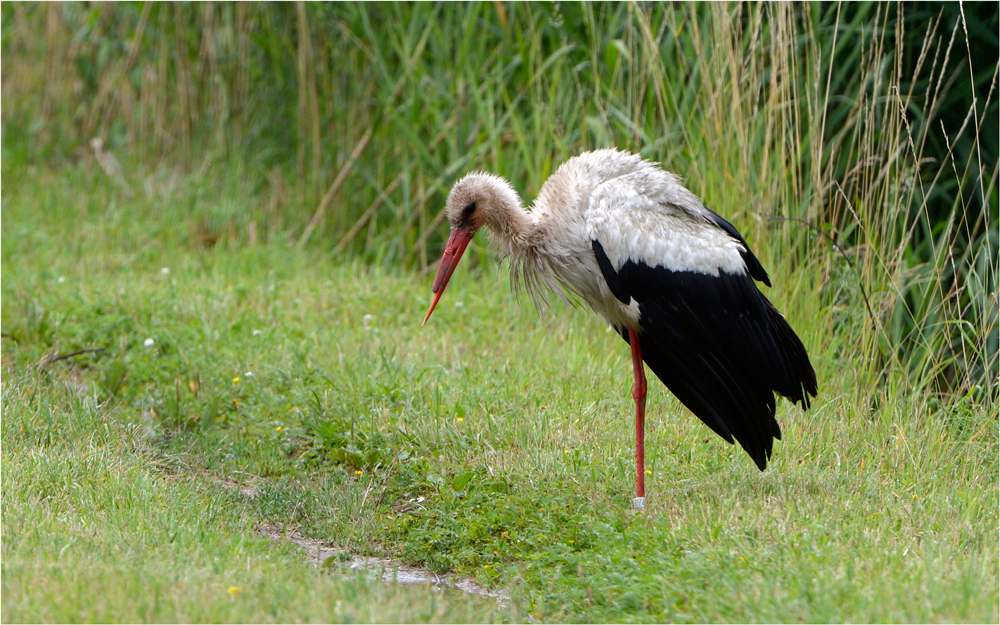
[[390, 570]]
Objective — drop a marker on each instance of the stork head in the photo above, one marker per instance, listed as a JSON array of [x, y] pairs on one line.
[[479, 199]]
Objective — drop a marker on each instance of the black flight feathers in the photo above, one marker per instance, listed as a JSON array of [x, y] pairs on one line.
[[610, 275], [718, 344], [753, 265]]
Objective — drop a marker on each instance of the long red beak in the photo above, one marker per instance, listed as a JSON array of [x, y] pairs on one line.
[[457, 242]]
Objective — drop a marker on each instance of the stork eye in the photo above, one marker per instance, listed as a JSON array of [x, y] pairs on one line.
[[468, 210]]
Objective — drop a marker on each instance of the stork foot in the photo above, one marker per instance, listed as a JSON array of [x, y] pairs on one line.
[[639, 503]]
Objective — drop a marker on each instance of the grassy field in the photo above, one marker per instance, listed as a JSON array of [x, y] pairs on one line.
[[312, 380], [220, 224]]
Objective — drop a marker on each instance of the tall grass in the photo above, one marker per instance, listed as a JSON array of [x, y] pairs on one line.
[[815, 128]]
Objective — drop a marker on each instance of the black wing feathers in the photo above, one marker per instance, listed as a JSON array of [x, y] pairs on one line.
[[719, 345], [756, 270], [616, 286]]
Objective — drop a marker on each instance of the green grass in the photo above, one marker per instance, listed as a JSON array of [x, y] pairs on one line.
[[98, 527], [514, 429]]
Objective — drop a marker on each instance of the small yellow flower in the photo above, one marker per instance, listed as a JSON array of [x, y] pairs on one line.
[[358, 472], [278, 429], [460, 419], [565, 451], [236, 380], [234, 590], [649, 471], [571, 541]]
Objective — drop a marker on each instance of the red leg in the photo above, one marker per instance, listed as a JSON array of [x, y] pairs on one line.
[[639, 395]]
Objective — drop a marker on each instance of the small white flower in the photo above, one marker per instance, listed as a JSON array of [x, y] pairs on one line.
[[165, 271], [367, 320], [256, 332], [248, 374], [459, 304], [61, 279], [148, 343]]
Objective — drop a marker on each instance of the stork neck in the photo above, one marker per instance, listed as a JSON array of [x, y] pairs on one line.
[[511, 229]]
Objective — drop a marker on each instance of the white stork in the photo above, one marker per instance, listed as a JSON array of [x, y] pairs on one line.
[[672, 277]]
